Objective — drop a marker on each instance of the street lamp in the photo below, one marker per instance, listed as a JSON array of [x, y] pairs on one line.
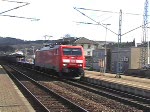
[[47, 39], [33, 51], [26, 53], [105, 54], [148, 49], [47, 36]]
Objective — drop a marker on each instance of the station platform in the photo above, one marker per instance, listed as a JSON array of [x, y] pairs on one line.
[[135, 85], [11, 99]]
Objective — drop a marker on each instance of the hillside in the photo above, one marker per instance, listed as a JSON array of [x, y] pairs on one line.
[[9, 44]]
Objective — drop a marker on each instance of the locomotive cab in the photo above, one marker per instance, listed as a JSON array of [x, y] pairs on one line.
[[73, 61]]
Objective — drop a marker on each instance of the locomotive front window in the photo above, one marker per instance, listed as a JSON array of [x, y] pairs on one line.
[[72, 51]]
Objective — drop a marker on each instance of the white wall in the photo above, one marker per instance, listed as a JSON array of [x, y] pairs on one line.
[[88, 51]]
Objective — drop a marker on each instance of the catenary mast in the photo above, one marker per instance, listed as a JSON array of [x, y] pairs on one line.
[[145, 41]]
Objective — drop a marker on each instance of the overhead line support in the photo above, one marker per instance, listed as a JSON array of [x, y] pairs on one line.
[[95, 21]]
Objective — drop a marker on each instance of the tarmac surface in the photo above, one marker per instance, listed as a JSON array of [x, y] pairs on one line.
[[11, 99], [134, 85], [143, 83]]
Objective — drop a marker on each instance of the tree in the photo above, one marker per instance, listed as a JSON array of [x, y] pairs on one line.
[[67, 36], [7, 48]]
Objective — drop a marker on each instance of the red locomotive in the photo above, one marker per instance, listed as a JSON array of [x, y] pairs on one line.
[[66, 60]]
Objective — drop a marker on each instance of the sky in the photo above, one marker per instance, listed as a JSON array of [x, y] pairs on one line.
[[58, 18]]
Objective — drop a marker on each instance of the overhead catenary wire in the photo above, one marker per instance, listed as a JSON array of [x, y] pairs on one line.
[[122, 34], [98, 23], [33, 19], [25, 4], [14, 8], [109, 11], [95, 21], [14, 1], [135, 28]]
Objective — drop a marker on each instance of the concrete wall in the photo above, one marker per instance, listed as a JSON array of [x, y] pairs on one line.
[[100, 54], [124, 59], [97, 55], [129, 58], [135, 58]]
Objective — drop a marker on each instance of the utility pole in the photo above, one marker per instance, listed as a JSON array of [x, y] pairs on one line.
[[148, 57], [26, 49], [144, 49], [105, 55], [33, 51], [146, 26], [119, 42], [47, 36]]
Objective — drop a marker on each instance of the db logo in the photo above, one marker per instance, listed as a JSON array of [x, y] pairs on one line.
[[73, 61]]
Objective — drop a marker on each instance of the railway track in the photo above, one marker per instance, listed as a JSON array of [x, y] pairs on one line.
[[139, 102], [93, 94], [41, 98]]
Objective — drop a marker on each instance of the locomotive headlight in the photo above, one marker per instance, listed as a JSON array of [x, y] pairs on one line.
[[80, 65], [64, 64]]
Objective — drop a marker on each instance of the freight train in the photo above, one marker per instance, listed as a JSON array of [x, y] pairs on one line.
[[63, 60]]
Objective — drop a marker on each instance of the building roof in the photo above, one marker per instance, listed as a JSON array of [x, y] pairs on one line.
[[83, 40]]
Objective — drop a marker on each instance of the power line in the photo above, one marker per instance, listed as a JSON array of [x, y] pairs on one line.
[[135, 28], [94, 20], [25, 4], [98, 23], [121, 34], [14, 8], [33, 19], [109, 11], [97, 10], [14, 1]]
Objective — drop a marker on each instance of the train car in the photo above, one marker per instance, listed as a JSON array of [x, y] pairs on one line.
[[66, 60], [14, 58]]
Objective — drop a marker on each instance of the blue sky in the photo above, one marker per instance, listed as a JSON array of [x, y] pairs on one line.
[[58, 17]]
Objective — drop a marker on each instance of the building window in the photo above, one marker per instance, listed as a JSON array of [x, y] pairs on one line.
[[56, 52], [89, 46], [82, 46], [88, 53], [97, 54]]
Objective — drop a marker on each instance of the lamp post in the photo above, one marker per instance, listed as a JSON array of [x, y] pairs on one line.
[[148, 53], [33, 51], [105, 53], [45, 38], [26, 52]]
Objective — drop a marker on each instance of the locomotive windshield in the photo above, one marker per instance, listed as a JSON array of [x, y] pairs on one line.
[[72, 51]]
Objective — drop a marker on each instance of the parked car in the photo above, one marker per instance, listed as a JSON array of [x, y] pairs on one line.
[[147, 66]]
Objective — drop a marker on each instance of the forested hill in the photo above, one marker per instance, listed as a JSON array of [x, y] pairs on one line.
[[9, 44], [14, 41]]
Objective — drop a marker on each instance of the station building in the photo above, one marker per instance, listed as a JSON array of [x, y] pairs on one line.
[[127, 58]]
